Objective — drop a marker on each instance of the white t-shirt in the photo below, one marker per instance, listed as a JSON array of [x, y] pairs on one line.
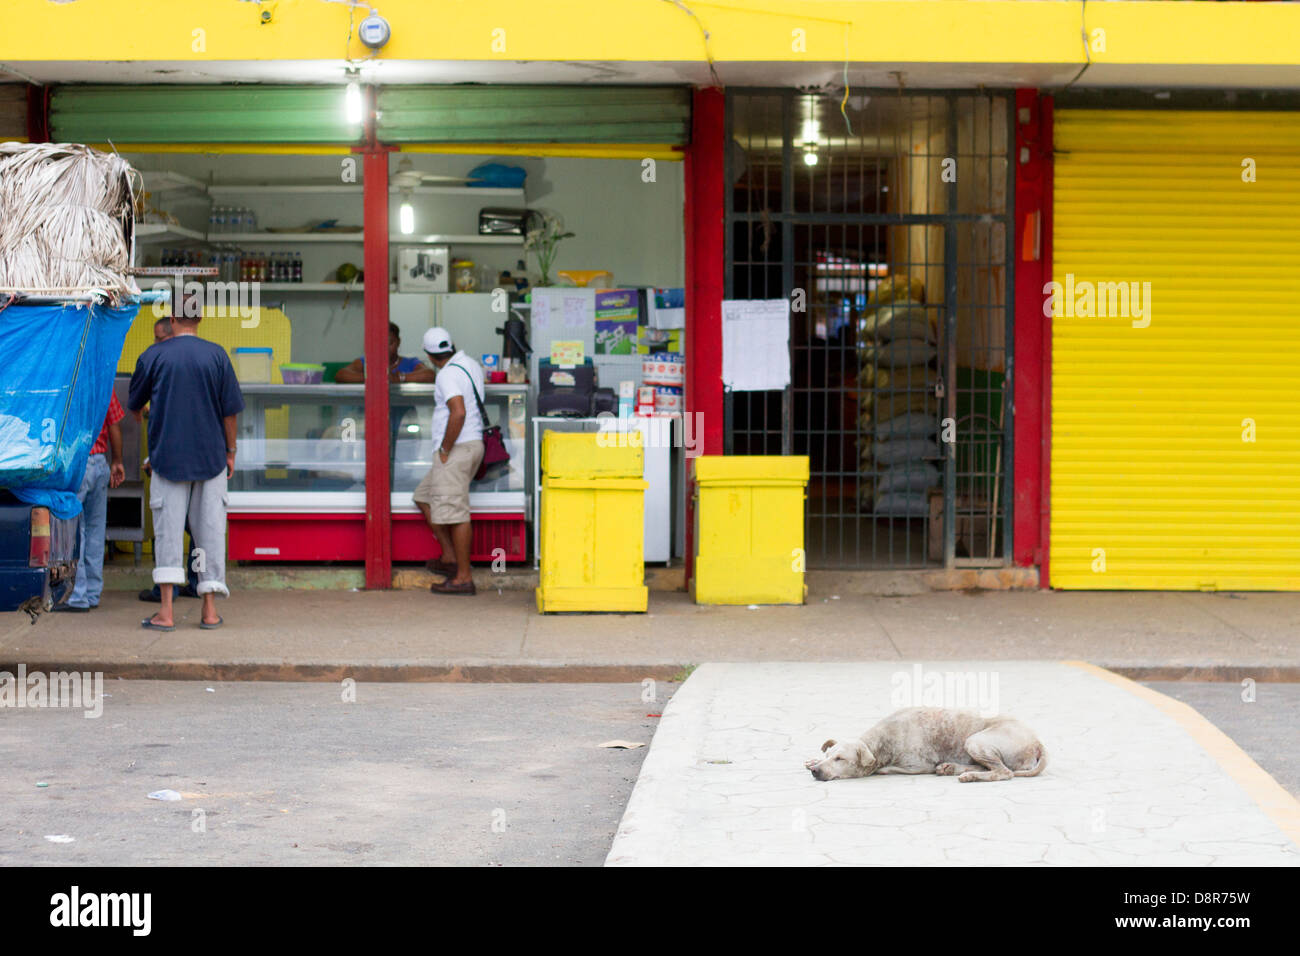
[[452, 380]]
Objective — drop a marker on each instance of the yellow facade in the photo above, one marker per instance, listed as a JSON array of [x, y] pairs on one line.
[[778, 31], [1175, 456], [750, 546], [592, 512]]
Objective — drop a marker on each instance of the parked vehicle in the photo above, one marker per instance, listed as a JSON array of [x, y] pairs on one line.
[[38, 556]]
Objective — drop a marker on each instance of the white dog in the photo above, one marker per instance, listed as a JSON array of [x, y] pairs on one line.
[[936, 740]]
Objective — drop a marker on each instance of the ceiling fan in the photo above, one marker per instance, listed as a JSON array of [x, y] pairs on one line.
[[408, 177]]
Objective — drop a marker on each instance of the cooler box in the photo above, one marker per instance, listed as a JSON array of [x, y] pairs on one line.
[[750, 547], [593, 525]]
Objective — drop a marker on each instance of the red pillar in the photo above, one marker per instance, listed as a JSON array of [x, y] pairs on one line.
[[1033, 330], [379, 541], [705, 270]]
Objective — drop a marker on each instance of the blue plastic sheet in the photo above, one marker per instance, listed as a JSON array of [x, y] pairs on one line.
[[56, 377]]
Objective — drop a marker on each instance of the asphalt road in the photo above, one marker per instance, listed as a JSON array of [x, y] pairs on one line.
[[423, 774], [1268, 728]]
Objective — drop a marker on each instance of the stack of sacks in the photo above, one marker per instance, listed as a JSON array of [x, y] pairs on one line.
[[897, 350]]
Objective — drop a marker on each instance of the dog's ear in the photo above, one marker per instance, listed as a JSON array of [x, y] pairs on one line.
[[828, 745], [865, 757]]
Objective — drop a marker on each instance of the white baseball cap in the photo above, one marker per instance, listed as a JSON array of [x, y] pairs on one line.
[[437, 340]]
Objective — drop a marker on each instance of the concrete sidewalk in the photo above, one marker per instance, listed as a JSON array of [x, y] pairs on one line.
[[1133, 778], [409, 635]]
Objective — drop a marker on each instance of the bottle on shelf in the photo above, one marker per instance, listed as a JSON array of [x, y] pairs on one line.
[[297, 267]]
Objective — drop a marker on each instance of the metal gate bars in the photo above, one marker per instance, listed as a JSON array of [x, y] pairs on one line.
[[885, 218]]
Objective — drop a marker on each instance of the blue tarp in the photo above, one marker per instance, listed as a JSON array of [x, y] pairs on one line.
[[57, 364]]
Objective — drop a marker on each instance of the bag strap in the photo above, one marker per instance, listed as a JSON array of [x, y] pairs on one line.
[[482, 412]]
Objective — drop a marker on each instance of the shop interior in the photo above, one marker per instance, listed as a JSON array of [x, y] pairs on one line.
[[283, 237]]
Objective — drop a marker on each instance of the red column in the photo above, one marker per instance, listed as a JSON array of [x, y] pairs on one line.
[[379, 540], [705, 269], [1033, 330]]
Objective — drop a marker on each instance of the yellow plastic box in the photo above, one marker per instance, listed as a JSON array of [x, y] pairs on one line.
[[593, 523], [749, 541]]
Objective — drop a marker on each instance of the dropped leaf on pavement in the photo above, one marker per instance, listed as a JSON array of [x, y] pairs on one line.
[[622, 744]]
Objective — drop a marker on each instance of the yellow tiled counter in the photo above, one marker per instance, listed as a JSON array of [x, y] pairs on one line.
[[593, 524], [750, 547]]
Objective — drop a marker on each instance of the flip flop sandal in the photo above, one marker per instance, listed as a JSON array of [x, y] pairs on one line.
[[446, 587], [445, 568], [148, 624], [212, 627]]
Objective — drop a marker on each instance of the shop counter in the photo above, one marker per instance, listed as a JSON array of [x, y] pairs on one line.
[[298, 491]]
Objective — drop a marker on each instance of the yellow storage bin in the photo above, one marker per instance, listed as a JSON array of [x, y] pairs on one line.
[[749, 541], [593, 524]]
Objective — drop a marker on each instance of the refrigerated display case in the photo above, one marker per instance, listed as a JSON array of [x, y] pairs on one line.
[[298, 492]]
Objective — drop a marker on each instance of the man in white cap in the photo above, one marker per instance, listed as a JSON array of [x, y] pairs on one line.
[[443, 494]]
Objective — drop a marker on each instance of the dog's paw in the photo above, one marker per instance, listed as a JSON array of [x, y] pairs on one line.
[[811, 762], [967, 778], [946, 769]]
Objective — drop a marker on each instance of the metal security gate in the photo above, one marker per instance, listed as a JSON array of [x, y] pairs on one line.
[[884, 218]]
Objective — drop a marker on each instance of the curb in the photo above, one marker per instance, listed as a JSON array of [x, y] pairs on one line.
[[534, 673], [365, 673]]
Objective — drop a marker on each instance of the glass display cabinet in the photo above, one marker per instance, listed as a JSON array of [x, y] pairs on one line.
[[298, 491]]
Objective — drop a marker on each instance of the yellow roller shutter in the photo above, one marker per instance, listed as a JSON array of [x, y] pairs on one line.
[[1175, 456]]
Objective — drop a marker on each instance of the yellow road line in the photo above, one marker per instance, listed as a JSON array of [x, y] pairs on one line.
[[1282, 808]]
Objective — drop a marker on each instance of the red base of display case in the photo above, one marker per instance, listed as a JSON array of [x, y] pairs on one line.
[[342, 537]]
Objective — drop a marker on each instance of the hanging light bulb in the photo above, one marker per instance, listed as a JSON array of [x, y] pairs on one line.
[[352, 100], [810, 156], [406, 216]]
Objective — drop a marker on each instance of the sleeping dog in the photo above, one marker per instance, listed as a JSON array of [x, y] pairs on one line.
[[936, 740]]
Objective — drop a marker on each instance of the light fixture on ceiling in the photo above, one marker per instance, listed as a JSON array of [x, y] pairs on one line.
[[810, 156], [352, 106], [811, 132], [406, 215]]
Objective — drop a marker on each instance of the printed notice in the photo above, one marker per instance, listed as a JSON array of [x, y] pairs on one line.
[[755, 344]]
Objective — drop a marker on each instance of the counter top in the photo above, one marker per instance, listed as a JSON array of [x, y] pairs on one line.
[[358, 390]]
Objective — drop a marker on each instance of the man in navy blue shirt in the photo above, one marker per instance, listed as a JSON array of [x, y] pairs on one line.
[[193, 398]]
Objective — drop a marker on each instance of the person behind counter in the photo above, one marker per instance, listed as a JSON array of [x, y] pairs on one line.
[[401, 368], [443, 494]]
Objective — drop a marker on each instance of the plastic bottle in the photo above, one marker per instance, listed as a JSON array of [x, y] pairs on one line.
[[297, 267]]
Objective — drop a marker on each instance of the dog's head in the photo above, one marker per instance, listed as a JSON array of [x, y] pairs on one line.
[[838, 761]]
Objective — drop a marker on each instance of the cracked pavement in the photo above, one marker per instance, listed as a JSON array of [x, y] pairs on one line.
[[1127, 783]]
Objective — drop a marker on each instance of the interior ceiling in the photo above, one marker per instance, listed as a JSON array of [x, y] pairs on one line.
[[826, 74]]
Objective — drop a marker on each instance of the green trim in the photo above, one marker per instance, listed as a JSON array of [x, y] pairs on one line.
[[200, 114], [534, 114]]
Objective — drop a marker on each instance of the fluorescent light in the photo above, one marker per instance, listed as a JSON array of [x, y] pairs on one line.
[[406, 218], [812, 131], [352, 103]]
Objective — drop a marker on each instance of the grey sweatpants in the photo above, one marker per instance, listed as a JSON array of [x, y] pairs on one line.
[[205, 504]]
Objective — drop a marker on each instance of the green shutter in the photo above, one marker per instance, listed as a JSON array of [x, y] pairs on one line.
[[534, 114], [13, 111], [200, 114]]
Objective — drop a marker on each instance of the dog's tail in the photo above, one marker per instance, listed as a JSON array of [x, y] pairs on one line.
[[1037, 768]]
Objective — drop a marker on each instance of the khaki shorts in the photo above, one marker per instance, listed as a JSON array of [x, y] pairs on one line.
[[445, 489]]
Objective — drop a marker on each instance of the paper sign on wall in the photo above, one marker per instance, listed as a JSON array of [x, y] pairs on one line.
[[755, 344], [567, 354]]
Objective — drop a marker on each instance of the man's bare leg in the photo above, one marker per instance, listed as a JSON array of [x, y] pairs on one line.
[[461, 536], [164, 614], [210, 615]]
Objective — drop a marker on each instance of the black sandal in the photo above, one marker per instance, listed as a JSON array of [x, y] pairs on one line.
[[446, 587]]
